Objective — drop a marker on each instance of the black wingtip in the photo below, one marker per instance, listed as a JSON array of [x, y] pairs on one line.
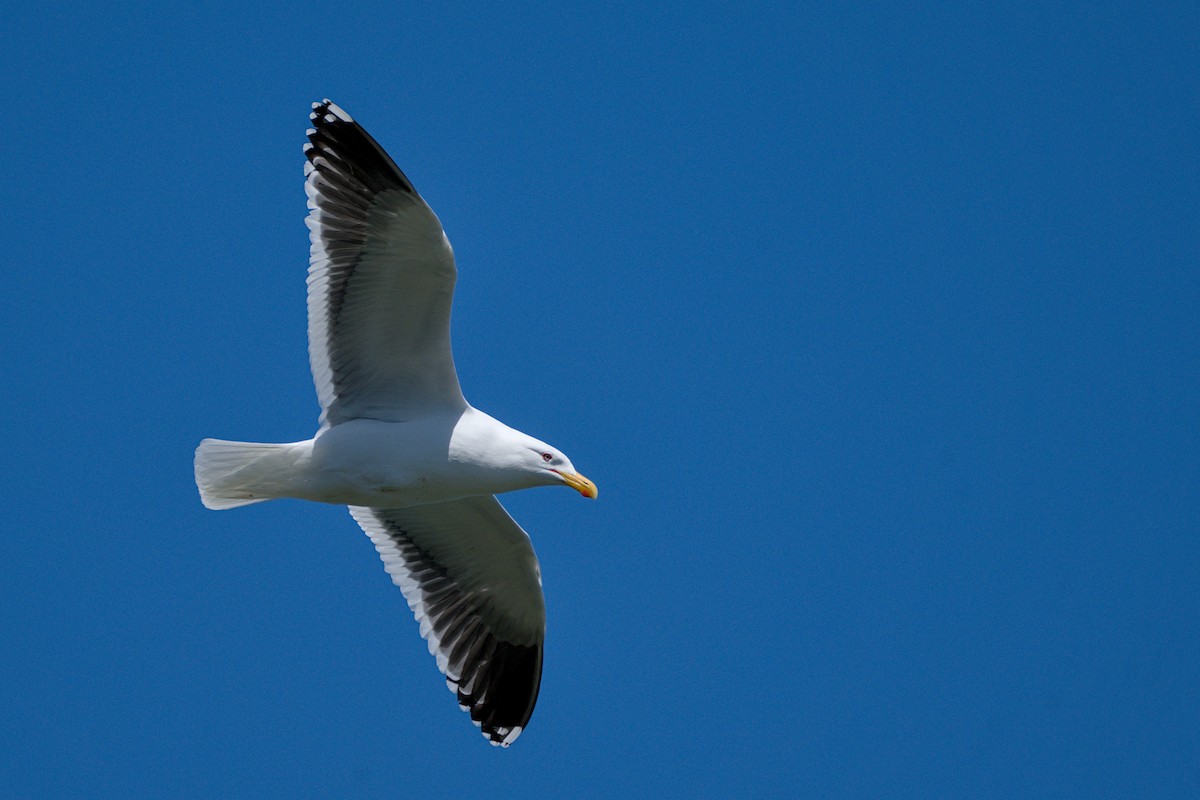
[[337, 137], [509, 688], [329, 110]]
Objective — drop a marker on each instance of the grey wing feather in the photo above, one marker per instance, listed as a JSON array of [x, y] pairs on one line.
[[471, 578], [380, 282]]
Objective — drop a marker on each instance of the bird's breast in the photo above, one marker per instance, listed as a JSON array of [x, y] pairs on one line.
[[387, 465]]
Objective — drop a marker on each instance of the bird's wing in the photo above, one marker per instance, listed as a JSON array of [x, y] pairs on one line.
[[380, 282], [471, 578]]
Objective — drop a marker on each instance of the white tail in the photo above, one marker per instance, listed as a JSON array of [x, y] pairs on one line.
[[232, 474]]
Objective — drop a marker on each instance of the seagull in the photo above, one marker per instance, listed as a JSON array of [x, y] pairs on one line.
[[418, 466]]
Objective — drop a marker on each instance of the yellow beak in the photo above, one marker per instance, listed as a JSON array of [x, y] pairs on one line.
[[580, 484]]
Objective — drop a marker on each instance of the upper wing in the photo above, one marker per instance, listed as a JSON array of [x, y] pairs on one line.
[[380, 282], [470, 576]]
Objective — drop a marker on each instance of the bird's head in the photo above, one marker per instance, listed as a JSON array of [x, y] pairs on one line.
[[512, 459], [553, 467]]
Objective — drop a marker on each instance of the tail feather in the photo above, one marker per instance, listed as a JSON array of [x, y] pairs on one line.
[[232, 474]]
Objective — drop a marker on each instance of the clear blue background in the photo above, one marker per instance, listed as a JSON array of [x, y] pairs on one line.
[[876, 326]]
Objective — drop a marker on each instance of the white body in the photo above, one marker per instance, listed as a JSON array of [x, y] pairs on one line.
[[367, 462]]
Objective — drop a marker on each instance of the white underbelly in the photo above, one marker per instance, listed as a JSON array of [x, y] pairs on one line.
[[374, 491], [382, 464]]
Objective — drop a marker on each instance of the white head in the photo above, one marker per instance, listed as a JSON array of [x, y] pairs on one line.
[[552, 467], [516, 459]]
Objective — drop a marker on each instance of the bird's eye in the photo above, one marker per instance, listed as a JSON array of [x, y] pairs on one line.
[[547, 457]]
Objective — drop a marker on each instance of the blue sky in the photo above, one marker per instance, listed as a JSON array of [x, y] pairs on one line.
[[876, 326]]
